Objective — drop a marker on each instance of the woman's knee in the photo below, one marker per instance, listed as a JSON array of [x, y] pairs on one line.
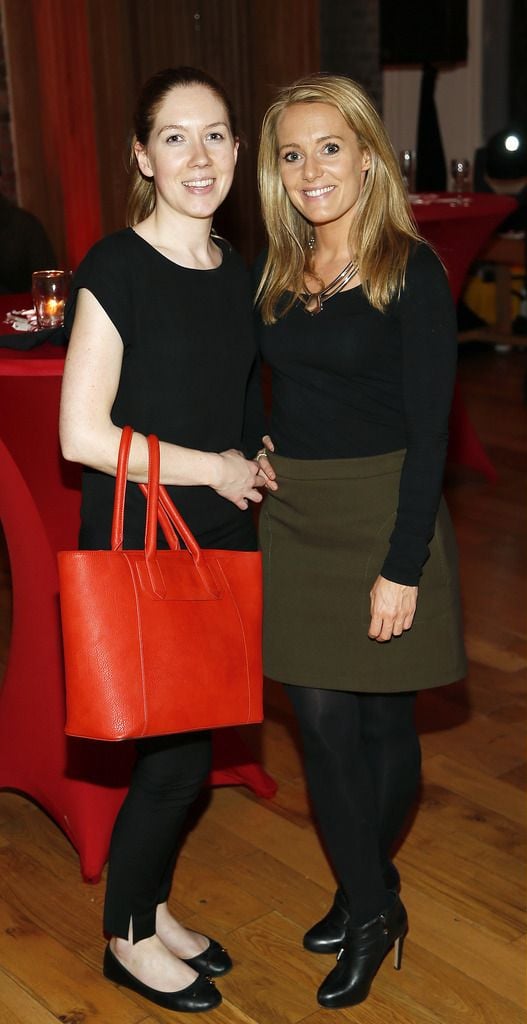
[[327, 718], [383, 715]]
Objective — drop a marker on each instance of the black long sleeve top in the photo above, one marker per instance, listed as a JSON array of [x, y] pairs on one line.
[[353, 382]]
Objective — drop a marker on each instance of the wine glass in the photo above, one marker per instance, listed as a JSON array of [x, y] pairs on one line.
[[460, 171], [407, 166]]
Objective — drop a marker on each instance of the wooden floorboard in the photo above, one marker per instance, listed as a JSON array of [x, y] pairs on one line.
[[252, 871]]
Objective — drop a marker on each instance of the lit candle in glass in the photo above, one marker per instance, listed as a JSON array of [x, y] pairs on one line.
[[50, 291], [53, 307]]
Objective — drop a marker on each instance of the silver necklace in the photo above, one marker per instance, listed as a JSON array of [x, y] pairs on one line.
[[313, 302]]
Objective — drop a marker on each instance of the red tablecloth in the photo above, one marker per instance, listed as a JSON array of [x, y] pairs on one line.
[[81, 784], [458, 229]]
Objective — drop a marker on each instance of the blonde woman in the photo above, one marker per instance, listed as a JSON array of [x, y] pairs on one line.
[[362, 602], [162, 339]]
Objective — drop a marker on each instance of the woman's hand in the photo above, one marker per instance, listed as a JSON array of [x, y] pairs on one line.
[[392, 607], [237, 478], [266, 470]]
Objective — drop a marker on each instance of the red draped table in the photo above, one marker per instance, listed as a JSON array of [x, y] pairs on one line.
[[80, 783], [458, 229]]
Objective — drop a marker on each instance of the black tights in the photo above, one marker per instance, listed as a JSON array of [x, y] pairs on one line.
[[362, 761], [167, 777]]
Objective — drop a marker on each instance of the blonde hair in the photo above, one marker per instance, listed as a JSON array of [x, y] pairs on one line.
[[141, 190], [383, 229]]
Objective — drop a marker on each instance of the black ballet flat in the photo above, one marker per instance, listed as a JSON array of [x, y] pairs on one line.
[[198, 997], [213, 962]]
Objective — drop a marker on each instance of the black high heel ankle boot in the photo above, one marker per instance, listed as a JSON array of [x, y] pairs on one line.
[[327, 935], [364, 949]]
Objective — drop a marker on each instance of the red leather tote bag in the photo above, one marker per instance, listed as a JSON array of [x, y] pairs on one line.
[[159, 641]]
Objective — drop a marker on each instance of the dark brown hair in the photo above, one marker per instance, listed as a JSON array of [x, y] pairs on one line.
[[142, 196]]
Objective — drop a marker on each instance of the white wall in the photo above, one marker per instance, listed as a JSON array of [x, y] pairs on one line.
[[458, 98]]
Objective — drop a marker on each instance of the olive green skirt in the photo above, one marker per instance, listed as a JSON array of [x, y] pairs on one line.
[[324, 535]]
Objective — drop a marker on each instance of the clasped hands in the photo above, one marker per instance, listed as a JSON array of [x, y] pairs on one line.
[[237, 479], [267, 473]]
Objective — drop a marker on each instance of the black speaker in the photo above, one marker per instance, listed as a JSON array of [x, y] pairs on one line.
[[417, 32]]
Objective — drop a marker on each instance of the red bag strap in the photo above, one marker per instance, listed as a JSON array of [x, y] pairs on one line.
[[158, 498], [119, 498], [159, 508], [171, 536], [120, 488]]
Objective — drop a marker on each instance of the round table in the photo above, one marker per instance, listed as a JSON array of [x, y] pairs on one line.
[[80, 783], [458, 227]]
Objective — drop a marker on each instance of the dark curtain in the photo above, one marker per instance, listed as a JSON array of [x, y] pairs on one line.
[[66, 108], [431, 166], [518, 65]]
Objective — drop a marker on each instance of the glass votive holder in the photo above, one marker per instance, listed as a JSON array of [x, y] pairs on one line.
[[50, 289]]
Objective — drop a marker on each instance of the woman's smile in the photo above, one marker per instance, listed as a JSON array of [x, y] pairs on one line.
[[316, 193], [199, 186]]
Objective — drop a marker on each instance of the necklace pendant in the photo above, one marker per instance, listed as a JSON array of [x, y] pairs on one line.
[[313, 302]]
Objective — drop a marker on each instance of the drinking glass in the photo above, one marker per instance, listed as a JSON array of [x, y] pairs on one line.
[[460, 171], [407, 165], [50, 289]]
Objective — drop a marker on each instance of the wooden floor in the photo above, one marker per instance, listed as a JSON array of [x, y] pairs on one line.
[[252, 872]]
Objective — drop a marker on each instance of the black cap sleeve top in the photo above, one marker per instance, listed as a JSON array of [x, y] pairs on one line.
[[352, 382], [188, 350]]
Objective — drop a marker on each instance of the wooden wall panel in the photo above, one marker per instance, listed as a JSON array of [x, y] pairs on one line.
[[284, 43], [252, 46], [249, 45], [224, 51]]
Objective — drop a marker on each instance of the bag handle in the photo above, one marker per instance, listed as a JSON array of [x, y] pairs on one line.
[[120, 489], [159, 509], [171, 536]]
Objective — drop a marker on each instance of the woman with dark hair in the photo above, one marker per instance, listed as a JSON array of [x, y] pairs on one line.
[[358, 327], [161, 339]]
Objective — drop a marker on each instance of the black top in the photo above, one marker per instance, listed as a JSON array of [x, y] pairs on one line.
[[353, 382], [188, 352]]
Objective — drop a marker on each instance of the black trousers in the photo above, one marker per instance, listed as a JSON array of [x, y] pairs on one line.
[[362, 761], [167, 777]]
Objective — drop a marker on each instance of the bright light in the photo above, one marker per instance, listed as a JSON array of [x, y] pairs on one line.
[[512, 143]]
